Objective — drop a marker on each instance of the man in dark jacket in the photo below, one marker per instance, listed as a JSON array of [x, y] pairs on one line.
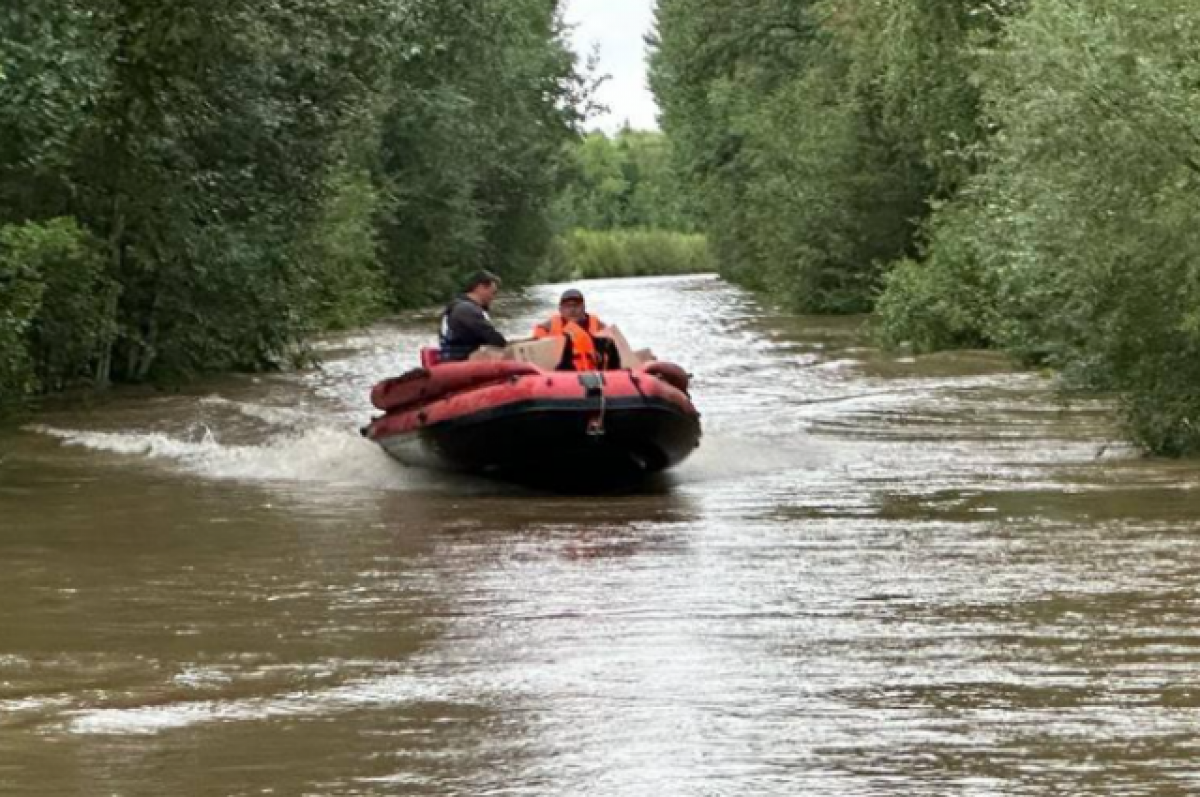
[[465, 324]]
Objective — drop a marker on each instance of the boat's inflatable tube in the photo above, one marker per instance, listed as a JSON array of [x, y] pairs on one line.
[[423, 385], [670, 373], [555, 389], [515, 420]]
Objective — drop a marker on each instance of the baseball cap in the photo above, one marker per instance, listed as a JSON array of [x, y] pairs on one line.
[[571, 295]]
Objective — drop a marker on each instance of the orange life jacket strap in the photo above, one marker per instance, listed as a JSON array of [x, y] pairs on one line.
[[583, 347]]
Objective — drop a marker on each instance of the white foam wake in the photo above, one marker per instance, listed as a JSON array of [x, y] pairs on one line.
[[286, 417], [325, 455]]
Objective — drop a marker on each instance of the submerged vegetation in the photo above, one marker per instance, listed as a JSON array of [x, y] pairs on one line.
[[1019, 175], [187, 186]]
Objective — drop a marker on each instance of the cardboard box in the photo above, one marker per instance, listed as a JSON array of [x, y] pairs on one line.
[[547, 352]]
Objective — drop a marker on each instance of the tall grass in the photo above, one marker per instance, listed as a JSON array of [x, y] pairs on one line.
[[587, 254]]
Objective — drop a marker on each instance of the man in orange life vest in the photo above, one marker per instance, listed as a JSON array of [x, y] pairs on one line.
[[586, 348]]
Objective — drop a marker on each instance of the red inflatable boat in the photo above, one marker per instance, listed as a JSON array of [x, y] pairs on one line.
[[514, 419]]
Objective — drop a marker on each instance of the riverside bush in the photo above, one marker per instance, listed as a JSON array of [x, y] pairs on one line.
[[1083, 225], [57, 309], [948, 300], [20, 299], [340, 256]]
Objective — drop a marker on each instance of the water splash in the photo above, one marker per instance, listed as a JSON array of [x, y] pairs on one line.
[[325, 455]]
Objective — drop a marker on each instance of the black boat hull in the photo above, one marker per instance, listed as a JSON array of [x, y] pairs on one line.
[[563, 442]]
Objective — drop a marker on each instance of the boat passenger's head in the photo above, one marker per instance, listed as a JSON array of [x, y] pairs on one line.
[[571, 305], [483, 287]]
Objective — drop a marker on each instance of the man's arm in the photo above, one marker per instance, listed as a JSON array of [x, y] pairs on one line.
[[492, 337]]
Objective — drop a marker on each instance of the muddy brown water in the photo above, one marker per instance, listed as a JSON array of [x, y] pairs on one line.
[[878, 576]]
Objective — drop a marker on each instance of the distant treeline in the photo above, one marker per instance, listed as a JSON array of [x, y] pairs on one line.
[[1019, 174], [623, 211], [190, 186], [623, 181]]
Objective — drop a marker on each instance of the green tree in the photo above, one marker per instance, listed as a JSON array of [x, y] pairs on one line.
[[58, 313], [1076, 245], [623, 181], [817, 134], [256, 171], [483, 102]]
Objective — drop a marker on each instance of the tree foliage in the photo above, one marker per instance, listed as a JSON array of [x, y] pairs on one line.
[[1077, 242], [1009, 173], [249, 172], [624, 181], [817, 132], [472, 142], [57, 308]]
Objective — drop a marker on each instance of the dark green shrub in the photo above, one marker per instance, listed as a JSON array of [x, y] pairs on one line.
[[20, 299], [62, 309], [346, 286]]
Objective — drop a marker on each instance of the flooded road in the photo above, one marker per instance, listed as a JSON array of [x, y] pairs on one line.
[[878, 576]]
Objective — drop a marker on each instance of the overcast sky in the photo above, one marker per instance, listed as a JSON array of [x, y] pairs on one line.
[[618, 26]]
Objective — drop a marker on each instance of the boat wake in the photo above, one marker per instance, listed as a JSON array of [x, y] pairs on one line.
[[277, 417], [726, 456], [337, 457]]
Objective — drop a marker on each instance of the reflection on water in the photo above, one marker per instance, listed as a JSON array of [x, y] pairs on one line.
[[878, 576]]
